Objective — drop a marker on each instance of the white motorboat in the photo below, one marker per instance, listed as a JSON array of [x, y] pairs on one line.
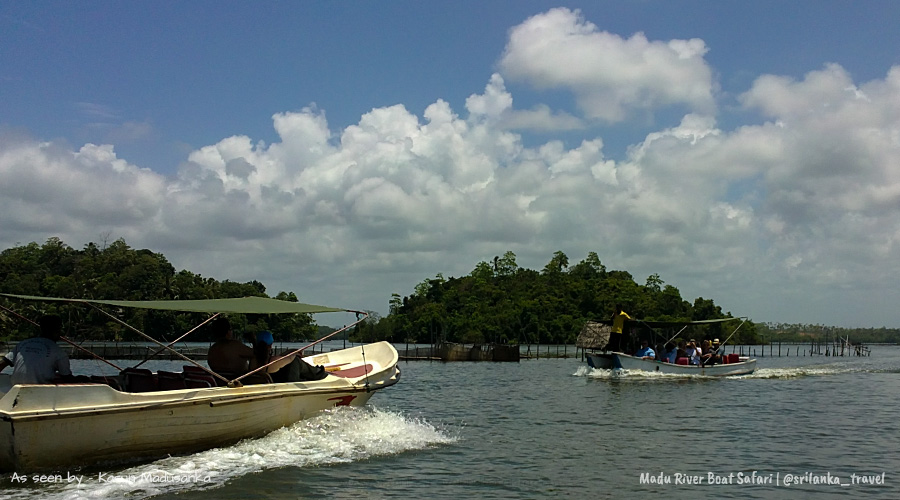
[[131, 417]]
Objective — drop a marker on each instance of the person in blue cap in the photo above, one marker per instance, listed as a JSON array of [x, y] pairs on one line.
[[265, 337], [288, 369]]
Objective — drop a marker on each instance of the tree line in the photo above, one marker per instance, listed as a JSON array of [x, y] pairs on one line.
[[119, 272], [797, 332], [500, 302]]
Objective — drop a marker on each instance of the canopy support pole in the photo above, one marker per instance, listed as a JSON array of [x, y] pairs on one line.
[[170, 344], [296, 351], [677, 334], [151, 339], [743, 320], [64, 339]]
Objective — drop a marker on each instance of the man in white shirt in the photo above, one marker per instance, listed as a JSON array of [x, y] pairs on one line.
[[694, 352], [39, 360]]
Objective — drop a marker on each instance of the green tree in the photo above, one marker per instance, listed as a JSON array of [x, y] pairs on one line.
[[117, 271]]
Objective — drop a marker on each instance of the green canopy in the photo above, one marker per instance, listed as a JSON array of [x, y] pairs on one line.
[[245, 305]]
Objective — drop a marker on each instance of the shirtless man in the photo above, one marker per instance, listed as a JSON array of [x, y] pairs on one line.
[[228, 355]]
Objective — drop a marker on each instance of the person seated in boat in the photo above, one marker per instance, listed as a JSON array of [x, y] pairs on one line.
[[706, 353], [38, 360], [660, 352], [681, 351], [645, 352], [670, 354], [712, 352], [288, 369], [693, 352], [228, 355]]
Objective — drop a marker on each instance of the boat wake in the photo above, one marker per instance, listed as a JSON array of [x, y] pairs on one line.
[[600, 373], [762, 373], [810, 371], [345, 434]]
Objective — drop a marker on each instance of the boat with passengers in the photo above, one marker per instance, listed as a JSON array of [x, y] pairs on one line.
[[594, 338], [140, 415]]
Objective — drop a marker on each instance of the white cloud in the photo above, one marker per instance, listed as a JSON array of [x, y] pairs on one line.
[[496, 106], [769, 219], [541, 118], [611, 76], [65, 190], [494, 102]]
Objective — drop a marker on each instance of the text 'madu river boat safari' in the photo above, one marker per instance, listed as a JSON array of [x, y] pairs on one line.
[[594, 337], [140, 415]]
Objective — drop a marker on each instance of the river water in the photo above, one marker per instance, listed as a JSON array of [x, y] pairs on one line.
[[799, 427]]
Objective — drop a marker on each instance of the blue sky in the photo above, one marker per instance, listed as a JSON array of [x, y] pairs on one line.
[[745, 151]]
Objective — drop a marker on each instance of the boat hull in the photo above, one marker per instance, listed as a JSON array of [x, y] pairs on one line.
[[49, 426], [616, 360]]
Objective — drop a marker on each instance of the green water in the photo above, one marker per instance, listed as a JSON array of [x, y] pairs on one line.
[[555, 428]]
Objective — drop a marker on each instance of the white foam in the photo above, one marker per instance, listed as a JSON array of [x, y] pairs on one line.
[[802, 371], [344, 434], [762, 373], [600, 373]]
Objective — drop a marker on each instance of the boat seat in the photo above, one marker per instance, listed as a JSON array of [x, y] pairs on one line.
[[170, 381], [198, 378], [139, 380], [257, 378]]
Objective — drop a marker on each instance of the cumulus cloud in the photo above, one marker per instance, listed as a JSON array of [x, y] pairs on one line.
[[807, 201], [832, 189], [496, 105], [60, 190], [610, 76]]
